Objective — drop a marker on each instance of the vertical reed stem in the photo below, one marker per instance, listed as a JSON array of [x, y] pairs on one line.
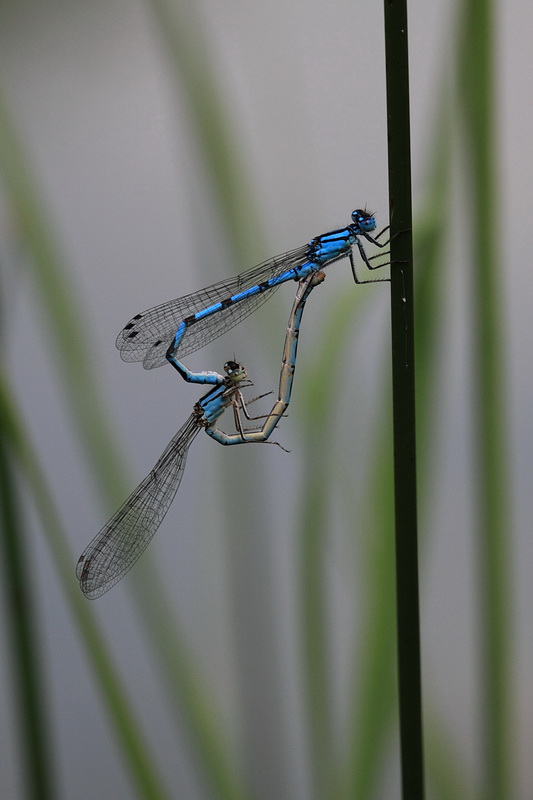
[[27, 675], [403, 384]]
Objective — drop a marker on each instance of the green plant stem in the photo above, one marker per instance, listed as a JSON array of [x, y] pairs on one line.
[[136, 752], [403, 385], [20, 610], [190, 698], [375, 680], [313, 532], [476, 88]]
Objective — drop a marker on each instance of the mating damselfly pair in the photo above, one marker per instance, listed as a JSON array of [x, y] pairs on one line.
[[185, 325]]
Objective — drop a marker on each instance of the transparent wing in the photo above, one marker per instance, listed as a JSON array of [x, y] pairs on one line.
[[122, 541], [148, 335]]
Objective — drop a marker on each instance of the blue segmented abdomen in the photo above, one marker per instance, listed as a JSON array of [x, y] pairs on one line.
[[207, 314], [148, 335]]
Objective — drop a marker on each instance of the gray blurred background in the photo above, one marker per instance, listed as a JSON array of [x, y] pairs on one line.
[[107, 131]]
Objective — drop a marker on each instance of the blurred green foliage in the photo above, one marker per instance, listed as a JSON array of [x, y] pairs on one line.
[[354, 768]]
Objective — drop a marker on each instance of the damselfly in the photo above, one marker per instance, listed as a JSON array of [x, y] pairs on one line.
[[190, 322], [119, 544]]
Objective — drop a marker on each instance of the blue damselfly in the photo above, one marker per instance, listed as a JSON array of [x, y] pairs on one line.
[[119, 544]]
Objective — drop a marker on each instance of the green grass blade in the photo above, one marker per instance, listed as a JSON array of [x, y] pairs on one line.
[[35, 734], [375, 693], [313, 528], [128, 733], [447, 777], [477, 87], [190, 699]]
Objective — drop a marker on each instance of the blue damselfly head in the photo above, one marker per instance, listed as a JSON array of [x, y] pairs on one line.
[[235, 371], [364, 220]]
